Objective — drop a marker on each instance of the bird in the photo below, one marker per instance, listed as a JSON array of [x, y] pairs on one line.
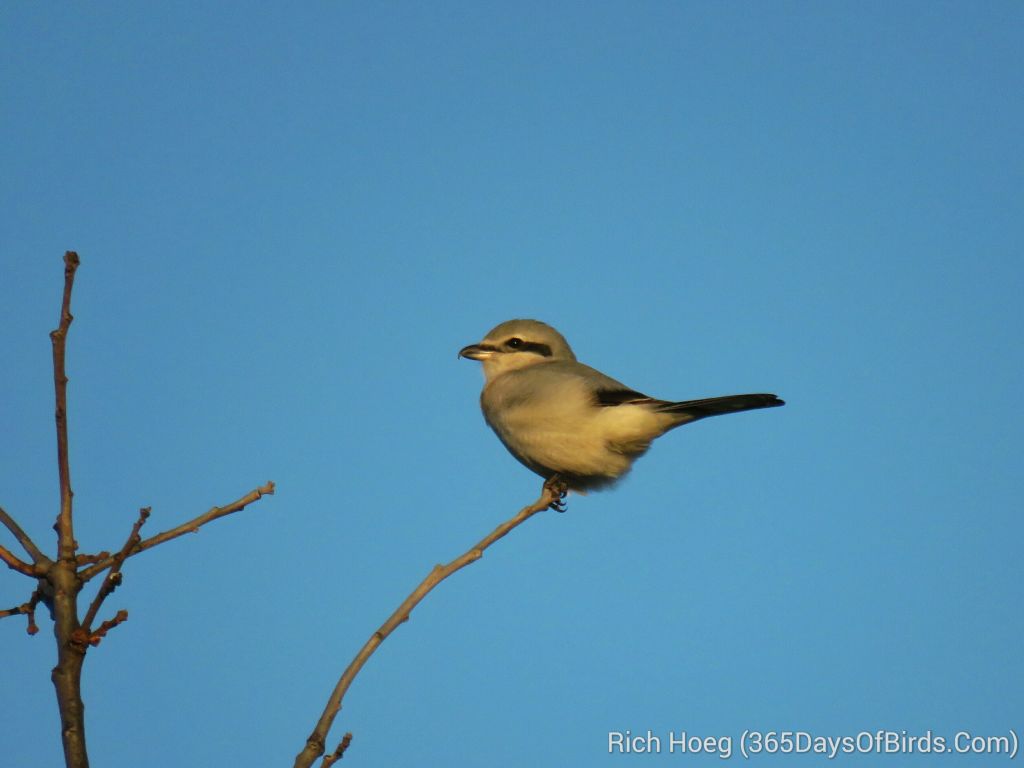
[[571, 424]]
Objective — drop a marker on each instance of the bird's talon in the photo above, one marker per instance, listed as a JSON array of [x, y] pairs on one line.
[[556, 487]]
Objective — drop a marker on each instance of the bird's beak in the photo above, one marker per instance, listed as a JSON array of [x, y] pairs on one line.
[[477, 351]]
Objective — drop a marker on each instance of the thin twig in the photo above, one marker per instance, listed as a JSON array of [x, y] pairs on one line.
[[190, 527], [338, 753], [28, 609], [81, 559], [15, 563], [65, 530], [113, 578], [26, 540], [318, 738], [94, 638]]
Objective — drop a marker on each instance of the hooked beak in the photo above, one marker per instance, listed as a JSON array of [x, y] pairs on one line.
[[477, 351]]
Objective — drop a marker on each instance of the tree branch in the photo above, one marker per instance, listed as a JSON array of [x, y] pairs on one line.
[[84, 636], [318, 738], [28, 609], [65, 530], [113, 578], [62, 576], [15, 563], [192, 526], [338, 753], [17, 610], [26, 540], [60, 580], [81, 559]]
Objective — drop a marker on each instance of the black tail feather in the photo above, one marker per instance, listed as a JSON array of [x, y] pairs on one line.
[[716, 406]]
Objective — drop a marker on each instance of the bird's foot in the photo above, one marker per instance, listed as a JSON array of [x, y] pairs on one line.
[[557, 487]]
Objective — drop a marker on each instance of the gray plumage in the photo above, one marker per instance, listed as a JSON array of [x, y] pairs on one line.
[[560, 417]]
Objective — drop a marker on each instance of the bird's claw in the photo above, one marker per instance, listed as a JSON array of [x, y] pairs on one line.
[[556, 487]]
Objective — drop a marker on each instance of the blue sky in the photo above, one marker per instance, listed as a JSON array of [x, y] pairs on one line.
[[290, 218]]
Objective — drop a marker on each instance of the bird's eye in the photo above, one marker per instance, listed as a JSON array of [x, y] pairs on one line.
[[514, 343]]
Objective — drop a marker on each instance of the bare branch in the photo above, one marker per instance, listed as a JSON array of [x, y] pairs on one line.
[[65, 530], [101, 631], [28, 609], [191, 526], [318, 738], [113, 578], [89, 559], [338, 753], [63, 577], [15, 563], [67, 675], [26, 541]]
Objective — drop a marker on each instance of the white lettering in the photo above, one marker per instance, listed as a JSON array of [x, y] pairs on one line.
[[625, 742]]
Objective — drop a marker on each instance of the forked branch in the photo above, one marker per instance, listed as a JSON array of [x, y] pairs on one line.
[[23, 538], [192, 526], [113, 578], [60, 580]]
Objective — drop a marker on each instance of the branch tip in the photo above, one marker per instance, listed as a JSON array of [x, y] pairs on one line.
[[114, 578], [28, 609], [191, 526], [101, 631], [338, 753], [66, 544]]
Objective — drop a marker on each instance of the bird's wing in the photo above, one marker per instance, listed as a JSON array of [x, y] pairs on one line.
[[604, 390], [612, 397]]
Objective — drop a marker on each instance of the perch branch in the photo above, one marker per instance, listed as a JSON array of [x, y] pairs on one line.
[[317, 739], [190, 527]]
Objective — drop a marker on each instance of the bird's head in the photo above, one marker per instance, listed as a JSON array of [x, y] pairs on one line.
[[517, 344]]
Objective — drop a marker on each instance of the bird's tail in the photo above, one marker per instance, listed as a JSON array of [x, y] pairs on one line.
[[691, 410]]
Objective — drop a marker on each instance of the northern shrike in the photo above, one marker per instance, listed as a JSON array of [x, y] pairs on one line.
[[569, 423]]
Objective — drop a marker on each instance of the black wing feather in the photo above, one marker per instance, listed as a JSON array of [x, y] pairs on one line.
[[608, 398]]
